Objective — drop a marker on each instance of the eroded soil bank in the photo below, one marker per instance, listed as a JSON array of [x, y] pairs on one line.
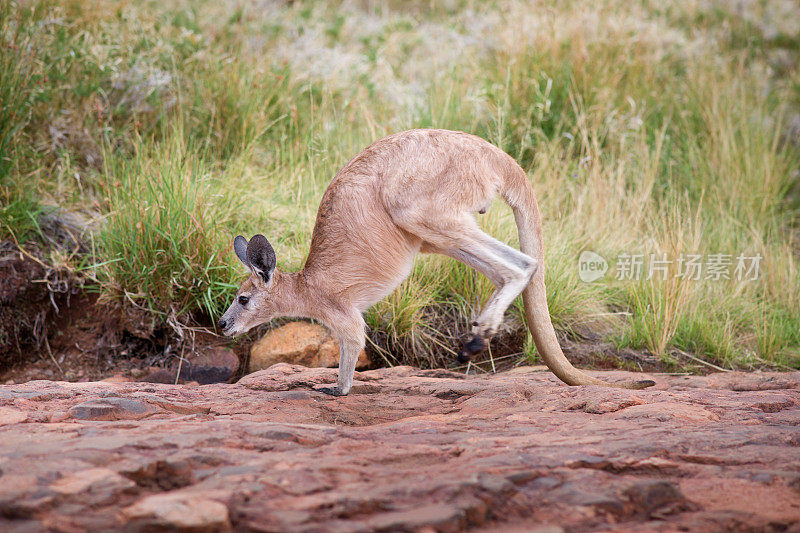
[[408, 450], [54, 326]]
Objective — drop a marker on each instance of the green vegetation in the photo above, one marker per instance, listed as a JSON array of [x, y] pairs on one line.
[[19, 219], [163, 240], [646, 128], [19, 78]]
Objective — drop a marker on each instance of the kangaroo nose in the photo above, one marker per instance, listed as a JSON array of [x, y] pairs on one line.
[[222, 324]]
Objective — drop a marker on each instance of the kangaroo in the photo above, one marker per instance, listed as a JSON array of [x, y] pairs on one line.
[[414, 191]]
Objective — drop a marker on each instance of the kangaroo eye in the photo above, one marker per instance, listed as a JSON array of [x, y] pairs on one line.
[[243, 300]]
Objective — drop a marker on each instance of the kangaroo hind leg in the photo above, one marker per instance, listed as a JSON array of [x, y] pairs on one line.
[[507, 268]]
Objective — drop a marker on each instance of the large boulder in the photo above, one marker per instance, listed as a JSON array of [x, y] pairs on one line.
[[299, 343]]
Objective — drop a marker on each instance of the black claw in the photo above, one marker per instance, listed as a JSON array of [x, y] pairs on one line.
[[475, 345], [333, 391]]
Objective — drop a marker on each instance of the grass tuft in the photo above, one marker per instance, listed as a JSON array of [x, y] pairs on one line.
[[157, 240]]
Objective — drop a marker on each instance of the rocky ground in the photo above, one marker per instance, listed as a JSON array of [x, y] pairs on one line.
[[407, 450]]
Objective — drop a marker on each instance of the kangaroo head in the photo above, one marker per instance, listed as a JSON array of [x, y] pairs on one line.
[[254, 303]]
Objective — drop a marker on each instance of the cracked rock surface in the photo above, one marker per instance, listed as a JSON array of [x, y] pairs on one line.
[[407, 450]]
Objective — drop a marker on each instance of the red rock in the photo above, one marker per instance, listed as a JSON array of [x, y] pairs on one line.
[[668, 410], [9, 415], [213, 364], [177, 512], [117, 378], [161, 375], [301, 343], [91, 479], [407, 450], [439, 517], [111, 409]]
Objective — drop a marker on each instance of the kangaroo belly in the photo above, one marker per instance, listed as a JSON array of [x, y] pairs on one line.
[[357, 245]]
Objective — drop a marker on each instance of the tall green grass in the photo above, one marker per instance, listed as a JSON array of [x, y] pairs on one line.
[[162, 242], [19, 77]]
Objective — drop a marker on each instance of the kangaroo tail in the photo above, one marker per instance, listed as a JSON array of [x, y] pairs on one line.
[[519, 195]]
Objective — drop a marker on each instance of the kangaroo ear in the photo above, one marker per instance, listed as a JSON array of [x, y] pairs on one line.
[[240, 247], [261, 257]]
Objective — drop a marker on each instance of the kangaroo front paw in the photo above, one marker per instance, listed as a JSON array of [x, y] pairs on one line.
[[333, 391], [475, 345]]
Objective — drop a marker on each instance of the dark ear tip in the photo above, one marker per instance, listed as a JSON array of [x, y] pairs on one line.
[[258, 242], [261, 256], [258, 238]]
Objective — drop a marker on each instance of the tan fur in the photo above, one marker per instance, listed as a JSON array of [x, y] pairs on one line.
[[415, 191]]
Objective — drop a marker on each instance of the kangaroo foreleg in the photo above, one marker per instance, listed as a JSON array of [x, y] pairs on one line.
[[351, 342]]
